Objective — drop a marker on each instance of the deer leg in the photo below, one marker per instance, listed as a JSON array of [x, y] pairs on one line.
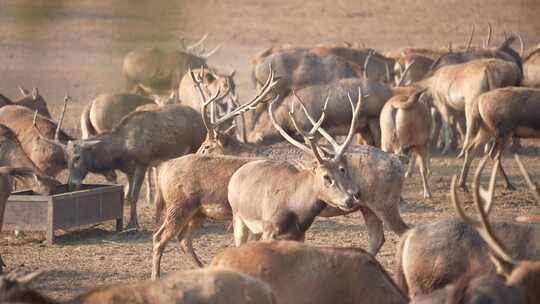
[[150, 184], [241, 231], [412, 164], [423, 165], [375, 230], [186, 237], [498, 149], [375, 130], [509, 185], [134, 190], [447, 134], [470, 154], [175, 221], [436, 129]]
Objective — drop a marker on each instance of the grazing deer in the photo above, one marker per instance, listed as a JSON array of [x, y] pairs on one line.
[[500, 115], [193, 188], [305, 274], [210, 285], [430, 256], [406, 128], [140, 140], [285, 210]]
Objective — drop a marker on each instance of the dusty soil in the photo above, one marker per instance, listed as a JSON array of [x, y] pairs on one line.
[[78, 47]]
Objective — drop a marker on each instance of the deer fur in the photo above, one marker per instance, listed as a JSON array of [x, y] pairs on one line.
[[32, 100], [211, 285], [531, 68], [300, 273]]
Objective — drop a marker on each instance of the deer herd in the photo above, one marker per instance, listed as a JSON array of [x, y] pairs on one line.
[[206, 154]]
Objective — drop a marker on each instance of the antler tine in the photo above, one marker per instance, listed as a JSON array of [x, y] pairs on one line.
[[309, 136], [268, 86], [404, 73], [521, 44], [321, 130], [532, 185], [366, 63], [183, 43], [212, 52], [59, 126], [283, 133], [352, 128], [196, 44], [490, 33], [197, 82], [471, 37]]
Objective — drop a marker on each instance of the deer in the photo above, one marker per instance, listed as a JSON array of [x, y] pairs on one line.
[[500, 115], [327, 273], [531, 68], [193, 188], [514, 280], [210, 285], [49, 158], [456, 248], [32, 100], [379, 175], [154, 71], [142, 139], [287, 210], [406, 128]]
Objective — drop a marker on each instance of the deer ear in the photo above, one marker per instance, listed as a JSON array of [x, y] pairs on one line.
[[232, 73]]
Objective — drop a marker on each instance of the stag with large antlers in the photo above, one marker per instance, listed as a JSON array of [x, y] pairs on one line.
[[285, 210], [193, 188]]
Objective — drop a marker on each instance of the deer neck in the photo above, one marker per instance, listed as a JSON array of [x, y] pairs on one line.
[[304, 200]]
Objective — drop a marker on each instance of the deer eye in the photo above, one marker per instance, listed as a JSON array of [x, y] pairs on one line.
[[342, 170], [327, 180]]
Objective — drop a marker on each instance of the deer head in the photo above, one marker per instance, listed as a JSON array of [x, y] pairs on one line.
[[333, 181]]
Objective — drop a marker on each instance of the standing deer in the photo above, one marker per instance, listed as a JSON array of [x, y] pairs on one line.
[[32, 100], [140, 140], [210, 285], [405, 129], [378, 175], [193, 188], [285, 210]]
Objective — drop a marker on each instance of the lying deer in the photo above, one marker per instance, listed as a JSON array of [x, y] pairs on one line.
[[430, 256], [193, 188], [289, 197], [210, 285], [305, 274]]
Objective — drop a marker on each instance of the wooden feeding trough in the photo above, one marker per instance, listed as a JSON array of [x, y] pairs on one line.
[[28, 211]]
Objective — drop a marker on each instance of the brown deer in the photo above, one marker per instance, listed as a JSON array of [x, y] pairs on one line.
[[305, 274], [378, 175], [32, 100], [210, 285], [285, 210], [455, 248], [406, 128], [193, 188], [531, 68], [141, 139], [500, 115]]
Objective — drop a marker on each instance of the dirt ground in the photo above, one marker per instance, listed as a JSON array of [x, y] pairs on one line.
[[78, 47]]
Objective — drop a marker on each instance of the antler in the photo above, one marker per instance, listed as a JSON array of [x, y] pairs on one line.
[[366, 63], [212, 52], [483, 227], [470, 38], [56, 140], [208, 123], [490, 33], [196, 44], [532, 185], [59, 125], [404, 73]]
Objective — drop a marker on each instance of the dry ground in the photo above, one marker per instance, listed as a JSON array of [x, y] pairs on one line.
[[78, 46]]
